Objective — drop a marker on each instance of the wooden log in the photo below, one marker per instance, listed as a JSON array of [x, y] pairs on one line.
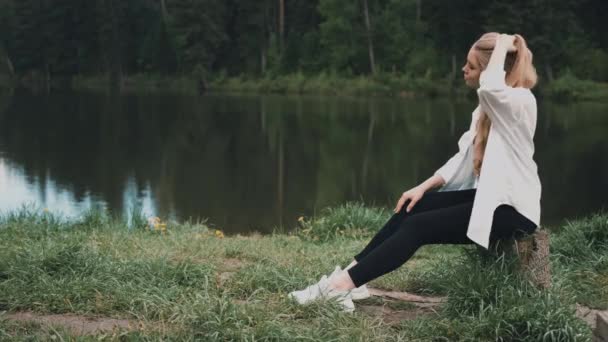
[[404, 296], [534, 258], [532, 252]]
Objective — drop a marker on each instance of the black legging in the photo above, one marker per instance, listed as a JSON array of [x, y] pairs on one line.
[[437, 218]]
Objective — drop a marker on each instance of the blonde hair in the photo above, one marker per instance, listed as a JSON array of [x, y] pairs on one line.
[[520, 72]]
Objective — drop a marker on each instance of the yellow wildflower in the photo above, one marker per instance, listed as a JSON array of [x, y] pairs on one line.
[[153, 222], [219, 234], [162, 227]]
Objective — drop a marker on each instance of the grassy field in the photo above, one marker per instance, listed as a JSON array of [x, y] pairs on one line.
[[186, 281]]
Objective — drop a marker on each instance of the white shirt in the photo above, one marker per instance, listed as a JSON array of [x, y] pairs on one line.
[[508, 173]]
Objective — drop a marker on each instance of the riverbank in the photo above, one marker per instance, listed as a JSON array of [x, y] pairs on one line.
[[189, 281], [321, 84], [565, 88]]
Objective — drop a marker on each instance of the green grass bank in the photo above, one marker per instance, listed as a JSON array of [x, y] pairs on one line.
[[564, 88], [190, 282]]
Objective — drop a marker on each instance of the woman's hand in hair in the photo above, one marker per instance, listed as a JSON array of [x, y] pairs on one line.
[[507, 41], [414, 195]]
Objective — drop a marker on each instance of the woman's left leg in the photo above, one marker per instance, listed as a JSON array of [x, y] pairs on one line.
[[430, 201], [442, 226], [509, 223]]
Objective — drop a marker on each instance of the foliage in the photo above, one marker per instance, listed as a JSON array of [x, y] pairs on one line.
[[489, 300], [416, 38], [351, 220], [570, 87]]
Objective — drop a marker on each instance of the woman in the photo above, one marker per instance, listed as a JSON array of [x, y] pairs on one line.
[[489, 190]]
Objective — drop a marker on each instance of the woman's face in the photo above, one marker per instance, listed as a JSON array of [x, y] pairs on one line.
[[471, 70]]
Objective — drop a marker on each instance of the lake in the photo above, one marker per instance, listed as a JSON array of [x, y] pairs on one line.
[[253, 163]]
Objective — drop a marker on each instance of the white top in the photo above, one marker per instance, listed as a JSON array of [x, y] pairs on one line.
[[508, 173]]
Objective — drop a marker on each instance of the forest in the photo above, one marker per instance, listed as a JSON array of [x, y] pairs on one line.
[[210, 39]]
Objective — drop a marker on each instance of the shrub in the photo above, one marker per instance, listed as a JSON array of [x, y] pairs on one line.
[[351, 220]]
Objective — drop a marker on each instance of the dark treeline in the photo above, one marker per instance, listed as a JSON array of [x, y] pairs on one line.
[[57, 39]]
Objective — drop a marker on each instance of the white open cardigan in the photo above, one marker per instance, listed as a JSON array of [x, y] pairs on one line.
[[508, 173]]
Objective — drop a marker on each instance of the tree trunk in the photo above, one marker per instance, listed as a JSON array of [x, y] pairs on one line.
[[368, 147], [549, 72], [370, 44], [533, 256], [281, 24], [6, 60], [452, 77], [47, 78], [268, 25], [263, 60], [281, 178], [115, 60], [163, 9], [9, 65]]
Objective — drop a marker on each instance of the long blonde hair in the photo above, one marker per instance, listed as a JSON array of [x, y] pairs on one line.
[[520, 72]]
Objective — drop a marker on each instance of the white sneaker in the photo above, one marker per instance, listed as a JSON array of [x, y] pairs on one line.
[[308, 294], [360, 293], [342, 297], [322, 290], [312, 292]]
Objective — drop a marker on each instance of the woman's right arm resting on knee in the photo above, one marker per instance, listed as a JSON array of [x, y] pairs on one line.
[[441, 176], [415, 194], [432, 182]]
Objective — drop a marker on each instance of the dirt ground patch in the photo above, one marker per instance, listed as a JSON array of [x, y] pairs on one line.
[[76, 324], [391, 316], [228, 267], [425, 305], [393, 306], [406, 296], [231, 264]]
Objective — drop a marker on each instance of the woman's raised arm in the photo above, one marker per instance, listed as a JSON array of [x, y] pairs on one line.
[[495, 96]]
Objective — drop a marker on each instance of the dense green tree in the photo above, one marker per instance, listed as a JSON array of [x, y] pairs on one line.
[[199, 28], [7, 24], [249, 35], [342, 35], [302, 48], [550, 27], [28, 39], [402, 39], [59, 39], [158, 50]]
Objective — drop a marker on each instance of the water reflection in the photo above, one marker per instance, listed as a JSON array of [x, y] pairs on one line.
[[253, 163]]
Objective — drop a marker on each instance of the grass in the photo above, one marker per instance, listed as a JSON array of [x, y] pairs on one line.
[[297, 83], [567, 87], [385, 84], [192, 283], [570, 88], [140, 83]]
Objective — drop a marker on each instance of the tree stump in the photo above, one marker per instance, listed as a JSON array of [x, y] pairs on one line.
[[532, 252]]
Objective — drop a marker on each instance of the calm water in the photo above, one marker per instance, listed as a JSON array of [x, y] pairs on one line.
[[257, 162]]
